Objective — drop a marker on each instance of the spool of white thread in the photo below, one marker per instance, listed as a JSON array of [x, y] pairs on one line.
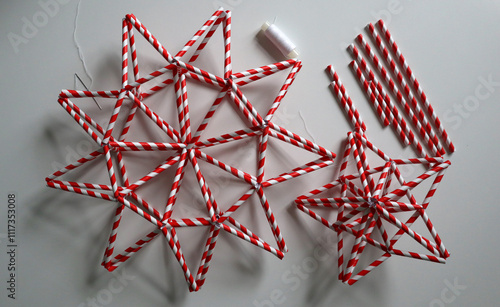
[[280, 40]]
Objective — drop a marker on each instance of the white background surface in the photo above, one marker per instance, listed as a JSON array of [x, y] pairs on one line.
[[450, 46]]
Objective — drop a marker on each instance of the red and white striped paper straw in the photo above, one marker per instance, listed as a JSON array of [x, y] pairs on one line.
[[345, 100], [432, 141], [396, 119], [416, 85], [399, 97]]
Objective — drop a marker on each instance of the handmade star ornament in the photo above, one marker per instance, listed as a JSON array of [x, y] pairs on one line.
[[368, 210], [182, 145]]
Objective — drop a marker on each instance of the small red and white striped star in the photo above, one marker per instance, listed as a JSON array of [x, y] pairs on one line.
[[368, 211]]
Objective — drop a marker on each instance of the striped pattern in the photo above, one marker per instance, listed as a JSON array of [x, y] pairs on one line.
[[255, 74], [395, 118], [419, 118], [365, 210], [378, 102], [345, 100], [184, 145], [416, 85], [284, 89]]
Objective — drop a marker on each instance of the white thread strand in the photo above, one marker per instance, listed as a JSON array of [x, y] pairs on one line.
[[280, 40], [80, 54], [307, 128]]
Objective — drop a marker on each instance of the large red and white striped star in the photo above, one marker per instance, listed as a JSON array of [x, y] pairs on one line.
[[184, 147]]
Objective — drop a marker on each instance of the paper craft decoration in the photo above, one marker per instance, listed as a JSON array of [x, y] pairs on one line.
[[184, 147], [370, 201], [365, 211]]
